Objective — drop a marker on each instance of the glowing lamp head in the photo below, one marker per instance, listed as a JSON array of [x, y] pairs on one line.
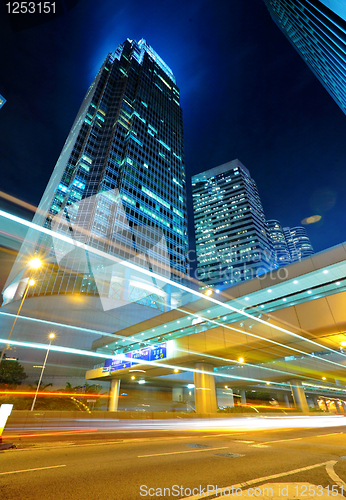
[[133, 377], [343, 343], [176, 370], [31, 282], [35, 263], [208, 292], [241, 360], [51, 336], [324, 378]]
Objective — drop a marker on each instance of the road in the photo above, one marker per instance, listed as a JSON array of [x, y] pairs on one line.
[[131, 464]]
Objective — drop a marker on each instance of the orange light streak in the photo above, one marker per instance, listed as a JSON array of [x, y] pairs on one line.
[[16, 436], [17, 201], [266, 406], [68, 394]]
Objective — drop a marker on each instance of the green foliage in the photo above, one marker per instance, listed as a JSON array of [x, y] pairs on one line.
[[42, 403], [258, 396], [11, 373]]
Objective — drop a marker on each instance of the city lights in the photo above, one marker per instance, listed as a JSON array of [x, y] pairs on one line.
[[35, 263]]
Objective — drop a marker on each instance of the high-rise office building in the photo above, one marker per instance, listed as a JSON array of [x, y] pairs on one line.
[[317, 29], [113, 212], [119, 183], [281, 254], [298, 242], [231, 234]]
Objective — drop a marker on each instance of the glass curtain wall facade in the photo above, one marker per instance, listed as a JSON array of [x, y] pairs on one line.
[[231, 234], [317, 29], [281, 254], [120, 179], [298, 243]]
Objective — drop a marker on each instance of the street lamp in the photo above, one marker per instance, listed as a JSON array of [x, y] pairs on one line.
[[35, 263], [51, 337]]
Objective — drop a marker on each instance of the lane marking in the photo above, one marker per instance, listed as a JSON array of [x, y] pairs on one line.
[[265, 443], [294, 439], [179, 452], [223, 435], [221, 491], [332, 434], [333, 475], [241, 441], [122, 441], [31, 470]]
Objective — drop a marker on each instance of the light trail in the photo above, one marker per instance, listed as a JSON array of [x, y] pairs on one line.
[[269, 340], [64, 325], [43, 434], [71, 350], [149, 273], [63, 394]]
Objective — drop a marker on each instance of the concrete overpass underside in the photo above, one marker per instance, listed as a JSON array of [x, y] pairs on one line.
[[288, 325]]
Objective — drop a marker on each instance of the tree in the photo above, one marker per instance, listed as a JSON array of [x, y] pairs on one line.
[[11, 372]]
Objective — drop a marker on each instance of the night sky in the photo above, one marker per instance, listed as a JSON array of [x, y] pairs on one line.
[[245, 94]]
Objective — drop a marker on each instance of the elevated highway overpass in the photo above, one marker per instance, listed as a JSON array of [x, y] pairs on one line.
[[288, 325]]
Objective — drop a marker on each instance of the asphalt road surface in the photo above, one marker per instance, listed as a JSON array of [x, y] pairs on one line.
[[129, 464]]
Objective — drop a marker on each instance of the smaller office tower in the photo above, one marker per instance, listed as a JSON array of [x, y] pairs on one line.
[[281, 254], [2, 101], [298, 243], [231, 234], [317, 30]]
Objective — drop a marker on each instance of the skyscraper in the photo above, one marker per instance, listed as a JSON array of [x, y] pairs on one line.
[[298, 243], [231, 235], [113, 211], [119, 183], [317, 29], [281, 254]]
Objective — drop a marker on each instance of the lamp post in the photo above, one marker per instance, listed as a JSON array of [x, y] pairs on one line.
[[51, 337], [34, 264]]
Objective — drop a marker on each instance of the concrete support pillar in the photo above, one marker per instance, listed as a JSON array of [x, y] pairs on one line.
[[205, 394], [178, 394], [337, 406], [314, 399], [299, 395], [324, 403], [114, 395], [287, 401], [224, 397], [242, 397]]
